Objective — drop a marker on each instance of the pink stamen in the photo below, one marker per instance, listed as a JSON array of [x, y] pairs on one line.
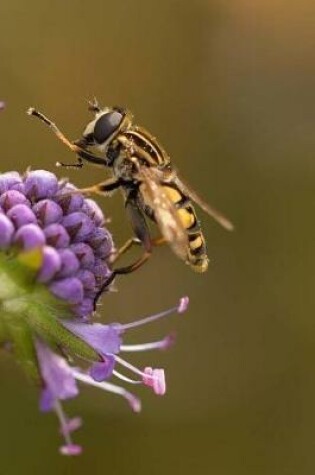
[[180, 308], [66, 427], [70, 449], [125, 378], [183, 304], [155, 345], [133, 401], [132, 368], [155, 378], [71, 425]]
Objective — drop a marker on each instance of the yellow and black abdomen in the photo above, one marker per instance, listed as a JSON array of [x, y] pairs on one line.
[[196, 245]]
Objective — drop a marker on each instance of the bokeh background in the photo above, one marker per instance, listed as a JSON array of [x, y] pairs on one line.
[[228, 87]]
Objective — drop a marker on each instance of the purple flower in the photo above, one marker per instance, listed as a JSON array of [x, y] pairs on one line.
[[54, 261]]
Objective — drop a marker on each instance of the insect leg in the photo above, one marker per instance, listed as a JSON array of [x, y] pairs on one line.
[[134, 242], [83, 154], [79, 164], [105, 188], [128, 269], [121, 271], [141, 231], [53, 127], [125, 248], [159, 241], [137, 219]]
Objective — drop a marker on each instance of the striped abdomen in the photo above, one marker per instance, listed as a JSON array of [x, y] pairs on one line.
[[196, 249]]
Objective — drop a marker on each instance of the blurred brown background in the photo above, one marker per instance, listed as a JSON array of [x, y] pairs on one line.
[[228, 87]]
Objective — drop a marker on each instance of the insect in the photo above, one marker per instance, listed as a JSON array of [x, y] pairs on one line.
[[150, 185]]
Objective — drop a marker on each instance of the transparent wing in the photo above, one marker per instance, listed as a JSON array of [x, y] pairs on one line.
[[210, 210], [165, 212]]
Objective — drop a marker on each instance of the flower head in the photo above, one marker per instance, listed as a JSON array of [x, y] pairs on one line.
[[54, 261]]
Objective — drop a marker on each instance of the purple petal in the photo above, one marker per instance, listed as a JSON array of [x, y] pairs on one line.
[[91, 208], [87, 278], [70, 289], [11, 198], [102, 243], [101, 272], [103, 370], [84, 309], [69, 263], [78, 225], [104, 250], [40, 184], [9, 180], [29, 236], [21, 215], [57, 236], [99, 236], [47, 400], [47, 212], [51, 264], [6, 231], [56, 374], [103, 338], [84, 253], [69, 202]]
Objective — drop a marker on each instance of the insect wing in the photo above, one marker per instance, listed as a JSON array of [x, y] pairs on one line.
[[165, 212], [214, 213]]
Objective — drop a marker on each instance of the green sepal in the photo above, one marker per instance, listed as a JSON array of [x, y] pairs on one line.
[[17, 274], [44, 323], [28, 309], [20, 335]]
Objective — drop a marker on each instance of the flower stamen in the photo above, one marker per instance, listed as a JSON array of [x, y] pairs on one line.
[[163, 344], [133, 401], [65, 427], [125, 378], [180, 308], [155, 378]]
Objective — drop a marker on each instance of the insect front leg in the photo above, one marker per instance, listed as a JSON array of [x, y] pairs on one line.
[[74, 146]]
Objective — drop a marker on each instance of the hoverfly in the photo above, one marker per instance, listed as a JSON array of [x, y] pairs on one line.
[[150, 185]]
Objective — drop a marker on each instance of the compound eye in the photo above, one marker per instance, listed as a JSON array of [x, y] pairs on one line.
[[106, 125]]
